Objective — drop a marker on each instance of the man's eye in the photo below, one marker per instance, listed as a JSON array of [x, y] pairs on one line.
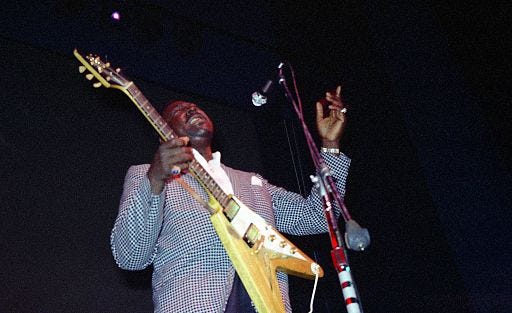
[[176, 112]]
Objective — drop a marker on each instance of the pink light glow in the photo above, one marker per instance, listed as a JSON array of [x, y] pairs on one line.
[[116, 15]]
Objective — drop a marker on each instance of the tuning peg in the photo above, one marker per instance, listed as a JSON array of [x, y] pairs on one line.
[[118, 70], [89, 76], [107, 64], [81, 68], [96, 85], [107, 78]]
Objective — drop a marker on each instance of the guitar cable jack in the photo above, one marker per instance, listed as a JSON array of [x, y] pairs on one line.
[[315, 268]]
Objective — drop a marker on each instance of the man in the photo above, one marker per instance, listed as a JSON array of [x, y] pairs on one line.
[[160, 223]]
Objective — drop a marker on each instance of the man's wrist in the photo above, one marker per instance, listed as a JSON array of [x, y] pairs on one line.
[[330, 143], [157, 185]]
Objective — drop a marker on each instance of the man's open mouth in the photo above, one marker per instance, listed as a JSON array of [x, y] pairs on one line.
[[195, 119]]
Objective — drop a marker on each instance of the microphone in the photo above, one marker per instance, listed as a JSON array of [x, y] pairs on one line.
[[259, 97], [356, 237]]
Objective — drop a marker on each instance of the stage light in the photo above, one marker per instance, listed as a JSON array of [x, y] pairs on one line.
[[116, 16]]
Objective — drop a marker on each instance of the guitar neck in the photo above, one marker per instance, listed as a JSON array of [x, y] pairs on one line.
[[150, 113], [166, 133]]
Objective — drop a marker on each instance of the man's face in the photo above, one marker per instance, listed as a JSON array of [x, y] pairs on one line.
[[187, 119]]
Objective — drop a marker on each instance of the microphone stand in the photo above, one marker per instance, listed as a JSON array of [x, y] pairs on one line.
[[326, 186]]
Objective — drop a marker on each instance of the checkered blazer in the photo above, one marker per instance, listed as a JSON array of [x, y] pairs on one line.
[[172, 231]]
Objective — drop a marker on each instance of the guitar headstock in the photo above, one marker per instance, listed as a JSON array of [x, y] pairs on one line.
[[102, 71]]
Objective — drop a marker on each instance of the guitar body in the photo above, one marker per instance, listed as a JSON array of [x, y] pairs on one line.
[[261, 285], [256, 263], [256, 250]]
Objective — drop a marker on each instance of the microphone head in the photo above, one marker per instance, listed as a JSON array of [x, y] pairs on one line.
[[356, 237], [258, 99]]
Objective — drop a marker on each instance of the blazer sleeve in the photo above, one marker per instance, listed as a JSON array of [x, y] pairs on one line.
[[135, 233], [297, 215]]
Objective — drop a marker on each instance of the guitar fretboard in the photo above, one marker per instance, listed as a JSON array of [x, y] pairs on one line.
[[160, 125]]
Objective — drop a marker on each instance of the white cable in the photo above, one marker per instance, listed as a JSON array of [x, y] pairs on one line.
[[315, 268]]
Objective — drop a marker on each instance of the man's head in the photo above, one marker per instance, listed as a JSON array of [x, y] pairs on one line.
[[187, 119]]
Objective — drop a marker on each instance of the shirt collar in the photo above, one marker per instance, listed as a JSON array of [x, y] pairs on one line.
[[215, 161]]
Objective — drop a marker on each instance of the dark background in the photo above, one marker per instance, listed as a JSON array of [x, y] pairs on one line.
[[427, 86]]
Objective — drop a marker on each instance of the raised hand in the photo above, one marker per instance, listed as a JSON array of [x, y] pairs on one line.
[[331, 118]]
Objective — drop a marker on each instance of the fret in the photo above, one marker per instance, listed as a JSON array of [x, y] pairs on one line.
[[134, 91], [218, 192], [143, 103], [211, 185], [168, 133]]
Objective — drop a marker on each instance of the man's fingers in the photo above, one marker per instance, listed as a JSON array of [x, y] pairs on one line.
[[185, 140], [319, 111], [178, 142]]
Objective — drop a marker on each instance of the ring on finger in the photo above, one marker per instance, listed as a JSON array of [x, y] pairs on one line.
[[175, 170]]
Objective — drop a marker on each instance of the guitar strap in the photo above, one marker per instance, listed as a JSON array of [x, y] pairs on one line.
[[194, 194]]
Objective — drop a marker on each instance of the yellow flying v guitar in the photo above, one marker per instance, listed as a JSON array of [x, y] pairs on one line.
[[255, 248]]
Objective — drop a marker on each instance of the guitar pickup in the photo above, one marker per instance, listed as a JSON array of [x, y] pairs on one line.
[[252, 235], [231, 209]]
